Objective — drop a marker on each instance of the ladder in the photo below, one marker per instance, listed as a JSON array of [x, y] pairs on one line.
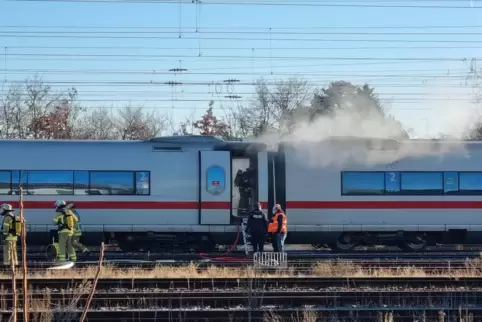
[[248, 247]]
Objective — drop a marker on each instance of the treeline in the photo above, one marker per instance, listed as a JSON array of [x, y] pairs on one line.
[[34, 110]]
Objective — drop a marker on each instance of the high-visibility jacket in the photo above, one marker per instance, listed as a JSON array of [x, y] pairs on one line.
[[59, 218], [78, 226], [273, 225], [9, 227]]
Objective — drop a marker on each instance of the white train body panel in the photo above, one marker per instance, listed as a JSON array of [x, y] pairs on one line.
[[178, 187], [172, 205], [314, 192]]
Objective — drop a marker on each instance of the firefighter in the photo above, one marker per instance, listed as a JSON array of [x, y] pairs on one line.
[[256, 226], [11, 228], [278, 228], [66, 221], [77, 231]]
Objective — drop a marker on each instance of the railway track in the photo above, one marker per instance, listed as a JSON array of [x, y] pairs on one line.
[[298, 266], [263, 314], [216, 284], [299, 255], [229, 299], [300, 262]]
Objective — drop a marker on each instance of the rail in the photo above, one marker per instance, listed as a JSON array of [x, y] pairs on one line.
[[225, 299]]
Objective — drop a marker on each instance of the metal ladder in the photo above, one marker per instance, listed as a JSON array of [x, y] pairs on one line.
[[248, 247]]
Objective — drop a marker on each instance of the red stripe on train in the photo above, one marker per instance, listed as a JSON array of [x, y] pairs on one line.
[[129, 204], [289, 204], [410, 204]]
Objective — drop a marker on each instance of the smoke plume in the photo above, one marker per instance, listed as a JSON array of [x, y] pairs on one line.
[[350, 137]]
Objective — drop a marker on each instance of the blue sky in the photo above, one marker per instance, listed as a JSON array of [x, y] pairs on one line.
[[429, 96]]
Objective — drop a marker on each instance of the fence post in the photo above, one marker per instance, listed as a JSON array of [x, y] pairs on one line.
[[14, 285], [24, 259], [94, 286]]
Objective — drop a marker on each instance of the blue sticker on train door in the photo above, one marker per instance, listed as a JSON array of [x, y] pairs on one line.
[[216, 180]]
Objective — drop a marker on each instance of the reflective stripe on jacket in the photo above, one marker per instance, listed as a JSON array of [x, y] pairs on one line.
[[274, 225], [78, 226]]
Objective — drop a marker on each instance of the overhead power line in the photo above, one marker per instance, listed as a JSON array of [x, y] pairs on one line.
[[81, 83], [266, 3], [356, 73], [243, 48], [16, 35], [244, 57], [202, 32], [250, 100], [206, 28]]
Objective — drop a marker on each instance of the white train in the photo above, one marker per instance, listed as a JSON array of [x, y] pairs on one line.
[[188, 192]]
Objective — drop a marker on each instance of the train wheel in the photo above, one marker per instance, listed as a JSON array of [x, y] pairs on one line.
[[414, 242], [345, 243]]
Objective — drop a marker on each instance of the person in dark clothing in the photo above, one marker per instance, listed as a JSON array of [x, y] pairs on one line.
[[257, 226]]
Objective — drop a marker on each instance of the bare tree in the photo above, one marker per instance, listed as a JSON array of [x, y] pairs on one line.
[[237, 123], [274, 108], [134, 124], [96, 125], [185, 127], [33, 110], [12, 122]]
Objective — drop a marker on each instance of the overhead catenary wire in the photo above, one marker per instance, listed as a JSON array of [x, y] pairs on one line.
[[358, 73], [166, 48], [297, 33], [379, 79], [245, 57], [444, 99], [267, 3], [6, 35], [248, 27], [93, 93]]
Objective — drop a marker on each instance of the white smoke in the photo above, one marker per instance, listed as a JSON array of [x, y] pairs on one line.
[[348, 137]]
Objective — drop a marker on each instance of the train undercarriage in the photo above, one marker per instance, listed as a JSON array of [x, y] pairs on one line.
[[205, 243], [406, 241]]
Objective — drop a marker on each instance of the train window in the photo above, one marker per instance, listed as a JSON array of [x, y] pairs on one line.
[[392, 182], [215, 180], [81, 182], [422, 183], [363, 183], [5, 182], [471, 183], [111, 182], [142, 183], [18, 178], [451, 183], [42, 182]]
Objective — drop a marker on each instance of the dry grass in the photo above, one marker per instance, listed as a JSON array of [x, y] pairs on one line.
[[472, 268]]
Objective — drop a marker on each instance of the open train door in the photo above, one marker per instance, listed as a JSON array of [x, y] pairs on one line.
[[263, 187], [215, 187]]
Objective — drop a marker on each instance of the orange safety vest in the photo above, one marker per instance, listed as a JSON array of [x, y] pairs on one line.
[[273, 226]]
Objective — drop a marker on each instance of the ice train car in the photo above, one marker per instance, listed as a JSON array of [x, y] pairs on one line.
[[188, 192]]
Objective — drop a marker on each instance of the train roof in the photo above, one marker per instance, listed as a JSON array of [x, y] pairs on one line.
[[215, 142], [220, 144]]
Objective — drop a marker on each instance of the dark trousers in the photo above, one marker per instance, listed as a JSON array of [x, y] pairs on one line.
[[257, 240], [278, 241]]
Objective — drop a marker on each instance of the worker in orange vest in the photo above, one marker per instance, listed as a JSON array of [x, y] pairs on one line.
[[278, 228]]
